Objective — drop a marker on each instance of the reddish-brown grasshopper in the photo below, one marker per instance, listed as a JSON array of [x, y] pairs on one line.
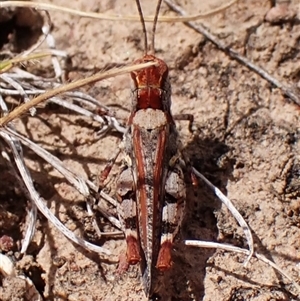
[[151, 187]]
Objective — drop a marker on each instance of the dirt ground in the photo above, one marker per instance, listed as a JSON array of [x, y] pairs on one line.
[[246, 141]]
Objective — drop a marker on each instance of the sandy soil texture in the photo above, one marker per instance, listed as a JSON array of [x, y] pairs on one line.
[[246, 141]]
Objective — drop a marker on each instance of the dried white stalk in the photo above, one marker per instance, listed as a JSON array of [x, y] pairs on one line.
[[214, 245], [233, 210], [39, 202], [32, 214], [78, 182]]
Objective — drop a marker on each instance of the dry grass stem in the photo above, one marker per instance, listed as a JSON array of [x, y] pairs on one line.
[[52, 7], [232, 209], [225, 247], [20, 110], [82, 185], [6, 65]]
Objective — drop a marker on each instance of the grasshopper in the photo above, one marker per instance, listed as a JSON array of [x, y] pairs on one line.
[[151, 187]]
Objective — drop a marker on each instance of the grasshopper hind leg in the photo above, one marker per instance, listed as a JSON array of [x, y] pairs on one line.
[[172, 213], [127, 215]]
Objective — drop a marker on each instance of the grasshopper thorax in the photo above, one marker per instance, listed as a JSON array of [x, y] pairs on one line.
[[151, 84]]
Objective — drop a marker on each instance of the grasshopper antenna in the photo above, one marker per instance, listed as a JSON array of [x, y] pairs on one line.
[[138, 4], [154, 26]]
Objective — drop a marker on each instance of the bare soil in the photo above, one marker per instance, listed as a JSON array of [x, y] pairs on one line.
[[247, 142]]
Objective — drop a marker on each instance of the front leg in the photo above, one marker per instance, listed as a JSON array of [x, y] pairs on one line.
[[127, 214]]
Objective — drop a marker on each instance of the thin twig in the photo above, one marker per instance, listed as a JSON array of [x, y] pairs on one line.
[[52, 7], [75, 180], [32, 214], [19, 88], [214, 245], [232, 209], [286, 90], [106, 121], [67, 87], [39, 202], [8, 64]]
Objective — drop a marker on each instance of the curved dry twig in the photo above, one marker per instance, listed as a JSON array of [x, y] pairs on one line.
[[230, 248], [20, 110], [39, 201], [286, 90], [52, 7], [232, 209]]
